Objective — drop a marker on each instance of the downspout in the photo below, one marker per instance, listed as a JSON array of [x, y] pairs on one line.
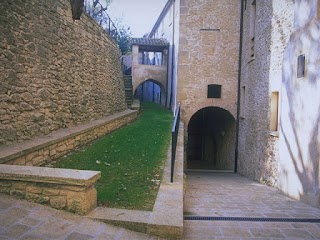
[[173, 53], [239, 90]]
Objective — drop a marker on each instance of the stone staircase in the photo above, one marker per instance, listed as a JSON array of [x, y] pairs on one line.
[[127, 79]]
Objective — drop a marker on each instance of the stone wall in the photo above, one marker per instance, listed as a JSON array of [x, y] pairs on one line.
[[51, 147], [72, 190], [262, 75], [54, 72]]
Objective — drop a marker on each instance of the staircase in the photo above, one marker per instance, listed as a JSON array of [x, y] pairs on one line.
[[127, 79]]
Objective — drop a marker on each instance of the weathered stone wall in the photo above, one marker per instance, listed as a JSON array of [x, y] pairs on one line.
[[258, 146], [208, 54], [300, 112], [72, 190], [47, 149], [54, 72]]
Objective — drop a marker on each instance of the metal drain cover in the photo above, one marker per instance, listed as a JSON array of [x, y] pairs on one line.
[[248, 219]]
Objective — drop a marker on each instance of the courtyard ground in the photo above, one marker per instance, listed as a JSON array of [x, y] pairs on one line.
[[215, 195]]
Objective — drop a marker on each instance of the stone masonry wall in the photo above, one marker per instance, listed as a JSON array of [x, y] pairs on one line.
[[51, 149], [258, 146], [54, 72], [208, 54], [75, 199], [72, 190]]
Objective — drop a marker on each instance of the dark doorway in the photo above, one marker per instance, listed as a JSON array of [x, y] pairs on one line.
[[211, 140], [150, 91]]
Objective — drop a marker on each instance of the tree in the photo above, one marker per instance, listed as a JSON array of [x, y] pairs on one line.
[[124, 38]]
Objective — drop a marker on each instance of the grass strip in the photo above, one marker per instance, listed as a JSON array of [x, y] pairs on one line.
[[131, 160]]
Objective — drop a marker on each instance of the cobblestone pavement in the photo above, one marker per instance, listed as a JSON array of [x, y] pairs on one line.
[[230, 195]]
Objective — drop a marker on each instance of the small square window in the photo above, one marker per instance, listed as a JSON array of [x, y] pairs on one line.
[[214, 91], [301, 68]]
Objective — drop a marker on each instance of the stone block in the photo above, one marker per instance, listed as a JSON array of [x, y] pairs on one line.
[[34, 189], [38, 198], [37, 161], [5, 190], [16, 185], [61, 148], [20, 161], [82, 203], [29, 157], [4, 183], [17, 193], [51, 192], [66, 188], [58, 202]]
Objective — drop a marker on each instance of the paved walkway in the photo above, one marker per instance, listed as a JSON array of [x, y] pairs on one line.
[[222, 195], [20, 219], [229, 195]]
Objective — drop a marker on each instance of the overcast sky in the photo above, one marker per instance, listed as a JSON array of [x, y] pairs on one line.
[[139, 15]]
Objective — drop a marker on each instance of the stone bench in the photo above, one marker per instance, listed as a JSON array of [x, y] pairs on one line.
[[71, 190]]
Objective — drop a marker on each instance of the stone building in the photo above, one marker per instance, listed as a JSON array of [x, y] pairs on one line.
[[246, 75], [202, 74]]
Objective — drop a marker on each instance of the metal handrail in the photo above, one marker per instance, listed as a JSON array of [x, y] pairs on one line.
[[96, 10], [174, 132]]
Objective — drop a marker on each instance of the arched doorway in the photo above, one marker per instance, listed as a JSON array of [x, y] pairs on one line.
[[211, 140], [150, 91]]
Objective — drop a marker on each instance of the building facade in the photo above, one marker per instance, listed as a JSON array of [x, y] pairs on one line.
[[246, 75]]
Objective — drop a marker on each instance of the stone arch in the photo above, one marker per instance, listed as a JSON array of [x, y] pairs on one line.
[[188, 113], [159, 98], [211, 139]]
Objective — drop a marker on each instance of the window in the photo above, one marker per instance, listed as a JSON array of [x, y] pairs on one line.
[[214, 91], [274, 109], [301, 67], [252, 29], [242, 102]]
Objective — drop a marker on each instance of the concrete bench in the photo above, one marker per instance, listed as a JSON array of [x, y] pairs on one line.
[[72, 190]]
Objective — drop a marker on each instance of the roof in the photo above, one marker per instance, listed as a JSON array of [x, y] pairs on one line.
[[157, 42], [150, 44]]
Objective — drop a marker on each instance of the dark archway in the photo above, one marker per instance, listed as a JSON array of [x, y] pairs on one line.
[[150, 91], [211, 140]]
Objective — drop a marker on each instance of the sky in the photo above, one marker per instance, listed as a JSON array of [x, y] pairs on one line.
[[139, 15]]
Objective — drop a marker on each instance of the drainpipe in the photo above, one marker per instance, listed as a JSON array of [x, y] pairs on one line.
[[239, 90], [173, 53]]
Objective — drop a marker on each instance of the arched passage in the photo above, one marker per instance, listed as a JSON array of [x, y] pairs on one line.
[[211, 140], [150, 91]]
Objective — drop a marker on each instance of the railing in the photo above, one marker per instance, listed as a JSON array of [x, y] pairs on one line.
[[175, 131], [96, 10]]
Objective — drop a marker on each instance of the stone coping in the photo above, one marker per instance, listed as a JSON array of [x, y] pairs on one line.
[[135, 104], [49, 175], [166, 218], [10, 152]]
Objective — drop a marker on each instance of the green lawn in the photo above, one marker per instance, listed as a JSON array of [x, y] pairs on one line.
[[130, 159]]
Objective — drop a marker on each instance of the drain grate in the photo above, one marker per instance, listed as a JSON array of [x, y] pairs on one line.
[[248, 219]]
